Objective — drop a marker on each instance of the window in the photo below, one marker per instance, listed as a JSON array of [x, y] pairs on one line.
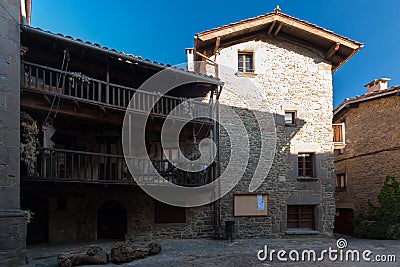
[[164, 213], [338, 151], [338, 134], [245, 62], [290, 117], [306, 164], [341, 181], [301, 216]]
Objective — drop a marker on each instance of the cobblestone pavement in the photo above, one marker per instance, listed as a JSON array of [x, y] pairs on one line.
[[241, 252]]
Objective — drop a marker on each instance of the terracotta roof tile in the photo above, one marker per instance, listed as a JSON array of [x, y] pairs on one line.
[[367, 96], [278, 14], [106, 49]]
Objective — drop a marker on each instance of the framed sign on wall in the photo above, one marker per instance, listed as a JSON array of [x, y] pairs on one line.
[[250, 204]]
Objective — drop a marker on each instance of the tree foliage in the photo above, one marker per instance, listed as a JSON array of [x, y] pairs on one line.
[[382, 221]]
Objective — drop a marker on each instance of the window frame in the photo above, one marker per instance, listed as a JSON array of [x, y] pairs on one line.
[[294, 117], [304, 167], [341, 141], [338, 180], [301, 212], [242, 55]]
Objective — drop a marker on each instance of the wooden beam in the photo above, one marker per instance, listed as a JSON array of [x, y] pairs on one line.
[[332, 51], [195, 44], [278, 29], [66, 108], [217, 44], [205, 57], [103, 109], [77, 106], [271, 27], [264, 20], [47, 100]]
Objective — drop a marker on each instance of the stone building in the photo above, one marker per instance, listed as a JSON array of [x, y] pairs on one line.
[[75, 179], [367, 143], [12, 219], [290, 63], [73, 98]]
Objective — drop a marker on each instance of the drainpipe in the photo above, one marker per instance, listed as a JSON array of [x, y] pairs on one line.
[[217, 168]]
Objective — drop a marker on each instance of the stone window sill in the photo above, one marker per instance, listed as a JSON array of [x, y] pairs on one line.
[[301, 232], [169, 224], [290, 124], [341, 189], [245, 74], [305, 178]]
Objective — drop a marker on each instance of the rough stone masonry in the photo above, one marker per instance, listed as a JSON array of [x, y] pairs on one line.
[[288, 77], [12, 219]]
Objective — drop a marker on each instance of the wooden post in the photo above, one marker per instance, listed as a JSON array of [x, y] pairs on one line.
[[108, 85]]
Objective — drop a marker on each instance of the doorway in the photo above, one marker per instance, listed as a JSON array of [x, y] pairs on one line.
[[38, 227], [344, 221], [111, 221]]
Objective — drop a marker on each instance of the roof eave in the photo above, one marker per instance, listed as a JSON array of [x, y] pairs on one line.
[[229, 30], [123, 56], [347, 58], [347, 103], [271, 17]]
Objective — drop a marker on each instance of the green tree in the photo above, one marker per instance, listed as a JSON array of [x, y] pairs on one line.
[[383, 220]]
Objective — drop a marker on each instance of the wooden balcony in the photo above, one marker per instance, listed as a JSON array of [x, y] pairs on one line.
[[80, 88], [60, 165]]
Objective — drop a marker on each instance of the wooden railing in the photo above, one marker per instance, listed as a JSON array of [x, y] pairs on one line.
[[60, 165], [83, 88]]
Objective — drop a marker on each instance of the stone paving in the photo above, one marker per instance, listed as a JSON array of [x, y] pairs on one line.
[[240, 252]]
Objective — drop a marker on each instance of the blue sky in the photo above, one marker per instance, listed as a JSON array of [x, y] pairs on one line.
[[161, 30]]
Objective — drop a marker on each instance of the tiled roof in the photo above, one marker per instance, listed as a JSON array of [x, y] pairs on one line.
[[125, 56], [367, 97], [279, 14]]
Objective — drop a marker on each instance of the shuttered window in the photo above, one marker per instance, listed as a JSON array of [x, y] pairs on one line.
[[301, 217], [338, 133]]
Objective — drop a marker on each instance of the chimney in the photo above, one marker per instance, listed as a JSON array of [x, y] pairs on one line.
[[190, 59], [377, 85], [26, 7]]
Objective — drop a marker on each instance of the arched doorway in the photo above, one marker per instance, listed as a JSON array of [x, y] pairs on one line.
[[111, 221]]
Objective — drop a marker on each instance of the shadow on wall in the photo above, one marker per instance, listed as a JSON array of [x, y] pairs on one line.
[[299, 182]]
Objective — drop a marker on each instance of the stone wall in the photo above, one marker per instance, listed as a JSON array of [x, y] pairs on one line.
[[372, 128], [286, 77], [78, 221], [12, 220]]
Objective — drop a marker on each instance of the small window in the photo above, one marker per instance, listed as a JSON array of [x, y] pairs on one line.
[[306, 164], [301, 217], [245, 62], [290, 117], [338, 133], [164, 213], [341, 182]]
